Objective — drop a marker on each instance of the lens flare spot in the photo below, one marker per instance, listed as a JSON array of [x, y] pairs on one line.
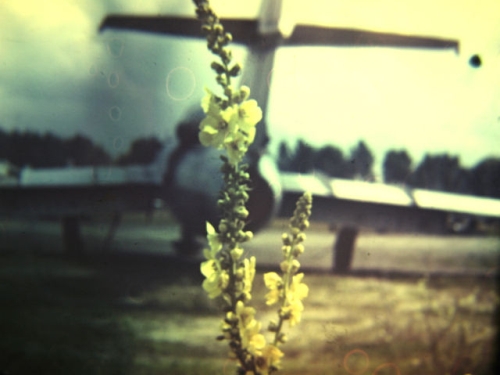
[[115, 113], [394, 371], [356, 362], [113, 80], [181, 83]]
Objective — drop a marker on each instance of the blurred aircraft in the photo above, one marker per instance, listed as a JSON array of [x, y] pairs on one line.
[[186, 175]]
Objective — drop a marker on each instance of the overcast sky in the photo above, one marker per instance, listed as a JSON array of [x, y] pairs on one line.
[[57, 73]]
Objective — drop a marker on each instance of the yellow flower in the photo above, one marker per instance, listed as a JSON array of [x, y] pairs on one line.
[[213, 239], [244, 314], [271, 356], [217, 126], [249, 328], [298, 290], [232, 128], [236, 253], [294, 312], [216, 279], [216, 284], [274, 283], [296, 293], [249, 114], [251, 339], [249, 267], [236, 147]]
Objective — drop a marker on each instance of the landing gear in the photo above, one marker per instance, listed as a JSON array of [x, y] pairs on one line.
[[115, 223], [343, 249], [72, 237]]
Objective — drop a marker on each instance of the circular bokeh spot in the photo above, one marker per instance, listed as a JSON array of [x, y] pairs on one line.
[[181, 83], [356, 362], [113, 80], [115, 113], [394, 369], [115, 47]]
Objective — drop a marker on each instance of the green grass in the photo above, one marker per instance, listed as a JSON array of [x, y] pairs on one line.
[[138, 314]]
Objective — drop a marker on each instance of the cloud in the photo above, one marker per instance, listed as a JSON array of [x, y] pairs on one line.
[[57, 73]]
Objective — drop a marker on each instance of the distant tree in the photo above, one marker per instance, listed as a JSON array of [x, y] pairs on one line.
[[31, 148], [303, 158], [485, 178], [285, 156], [441, 172], [397, 166], [4, 143], [362, 161], [48, 150], [82, 151], [142, 151], [330, 160]]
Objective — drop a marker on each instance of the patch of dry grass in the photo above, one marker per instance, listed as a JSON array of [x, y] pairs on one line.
[[139, 314]]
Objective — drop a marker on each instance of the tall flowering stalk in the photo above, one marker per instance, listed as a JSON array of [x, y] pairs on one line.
[[229, 125]]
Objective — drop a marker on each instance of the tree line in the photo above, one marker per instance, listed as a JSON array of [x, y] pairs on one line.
[[47, 150], [442, 172]]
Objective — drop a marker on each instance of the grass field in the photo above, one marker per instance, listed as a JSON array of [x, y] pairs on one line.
[[136, 313]]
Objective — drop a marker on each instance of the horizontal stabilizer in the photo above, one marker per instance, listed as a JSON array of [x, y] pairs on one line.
[[246, 32]]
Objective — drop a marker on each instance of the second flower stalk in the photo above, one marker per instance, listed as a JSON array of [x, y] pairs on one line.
[[230, 275]]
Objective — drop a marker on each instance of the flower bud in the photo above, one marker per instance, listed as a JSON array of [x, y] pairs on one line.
[[241, 211], [221, 80], [226, 55], [244, 93], [282, 338], [304, 225], [248, 235], [228, 91], [246, 296], [244, 175], [273, 327], [223, 226], [301, 237], [218, 28], [236, 253], [243, 195], [284, 266], [286, 239], [286, 250], [235, 70], [298, 250], [239, 274], [295, 265]]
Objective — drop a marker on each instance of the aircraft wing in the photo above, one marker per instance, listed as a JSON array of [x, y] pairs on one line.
[[79, 191], [385, 208], [83, 191]]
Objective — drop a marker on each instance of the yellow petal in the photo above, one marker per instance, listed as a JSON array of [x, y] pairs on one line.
[[208, 267], [272, 280]]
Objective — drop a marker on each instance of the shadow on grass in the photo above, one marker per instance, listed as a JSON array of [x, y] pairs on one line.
[[63, 316]]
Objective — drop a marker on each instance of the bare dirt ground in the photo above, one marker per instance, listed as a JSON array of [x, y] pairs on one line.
[[138, 310]]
